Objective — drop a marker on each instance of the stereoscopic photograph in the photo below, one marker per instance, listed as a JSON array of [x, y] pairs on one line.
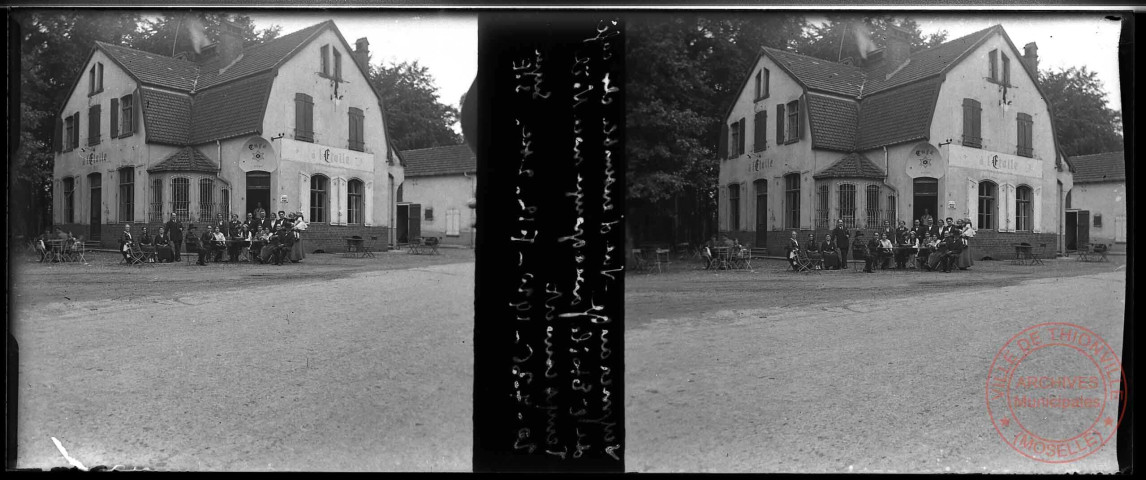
[[822, 241]]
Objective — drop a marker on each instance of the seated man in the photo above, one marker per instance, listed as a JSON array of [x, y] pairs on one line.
[[218, 244], [884, 253], [953, 248], [873, 257], [282, 241], [204, 246]]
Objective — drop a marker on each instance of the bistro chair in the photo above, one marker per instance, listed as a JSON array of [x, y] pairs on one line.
[[1084, 252], [640, 263], [135, 255], [1036, 256], [804, 263], [662, 259]]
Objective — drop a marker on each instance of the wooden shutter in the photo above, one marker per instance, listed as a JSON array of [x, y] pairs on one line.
[[303, 117], [136, 111], [802, 112], [780, 119], [722, 144], [740, 147], [994, 66], [58, 139], [93, 124], [75, 130], [760, 129], [976, 122], [113, 119]]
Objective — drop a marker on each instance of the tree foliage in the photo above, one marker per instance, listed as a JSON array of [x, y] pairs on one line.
[[173, 32], [842, 36], [415, 118], [1084, 123]]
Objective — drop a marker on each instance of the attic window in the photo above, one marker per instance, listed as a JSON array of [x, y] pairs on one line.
[[762, 84], [1006, 70], [337, 65], [95, 79], [325, 60], [994, 56]]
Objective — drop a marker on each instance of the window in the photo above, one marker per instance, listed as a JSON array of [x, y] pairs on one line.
[[95, 79], [987, 192], [1068, 199], [356, 141], [847, 204], [762, 78], [75, 142], [734, 207], [759, 78], [1098, 220], [822, 206], [793, 121], [1023, 209], [206, 195], [93, 124], [69, 200], [398, 194], [792, 200], [319, 185], [734, 142], [872, 206], [126, 194], [324, 59], [994, 56], [971, 124], [354, 206], [69, 133], [303, 117], [157, 200], [337, 65], [760, 129], [1025, 137], [181, 198], [740, 147], [1006, 70], [429, 214], [127, 123]]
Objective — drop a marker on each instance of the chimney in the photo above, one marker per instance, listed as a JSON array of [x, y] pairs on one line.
[[362, 52], [230, 42], [898, 45], [1031, 58]]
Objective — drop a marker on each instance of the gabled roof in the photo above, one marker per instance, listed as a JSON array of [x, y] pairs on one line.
[[853, 165], [230, 110], [449, 160], [860, 108], [152, 69], [187, 159], [1100, 167]]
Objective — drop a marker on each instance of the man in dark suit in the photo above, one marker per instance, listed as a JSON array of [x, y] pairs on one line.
[[843, 240], [174, 230], [920, 229], [873, 256], [234, 226], [278, 221], [281, 242], [221, 224], [205, 242]]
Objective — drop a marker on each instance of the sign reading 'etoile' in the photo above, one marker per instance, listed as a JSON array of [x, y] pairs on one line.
[[326, 155], [979, 159]]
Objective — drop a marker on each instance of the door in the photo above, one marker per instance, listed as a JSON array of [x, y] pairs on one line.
[[95, 206], [259, 192], [453, 222], [761, 187], [415, 228], [402, 226], [1083, 234], [926, 198], [1071, 230]]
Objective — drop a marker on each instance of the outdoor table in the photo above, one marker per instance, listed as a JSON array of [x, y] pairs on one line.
[[353, 246], [56, 249], [1022, 253], [722, 256]]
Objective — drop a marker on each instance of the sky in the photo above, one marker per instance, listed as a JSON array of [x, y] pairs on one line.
[[1064, 40], [445, 43]]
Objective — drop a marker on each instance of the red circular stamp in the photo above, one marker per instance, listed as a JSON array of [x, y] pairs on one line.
[[1052, 392]]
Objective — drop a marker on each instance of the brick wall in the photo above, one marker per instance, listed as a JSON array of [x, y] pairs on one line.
[[318, 236], [986, 242]]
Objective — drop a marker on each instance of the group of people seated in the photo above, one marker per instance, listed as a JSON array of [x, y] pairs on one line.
[[68, 243], [929, 245], [709, 251], [269, 239]]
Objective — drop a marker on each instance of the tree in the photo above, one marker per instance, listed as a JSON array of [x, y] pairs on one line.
[[682, 72], [175, 32], [1083, 122], [415, 118], [853, 36]]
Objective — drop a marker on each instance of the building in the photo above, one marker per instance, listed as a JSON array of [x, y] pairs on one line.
[[435, 199], [292, 124], [959, 130], [1096, 206]]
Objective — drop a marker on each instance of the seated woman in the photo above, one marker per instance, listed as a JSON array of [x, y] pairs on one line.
[[145, 242], [238, 241], [830, 253], [905, 250], [42, 243], [812, 249], [266, 253], [258, 239], [163, 251], [125, 241], [884, 252]]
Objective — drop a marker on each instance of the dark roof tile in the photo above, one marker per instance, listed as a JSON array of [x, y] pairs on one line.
[[167, 116], [449, 160], [230, 110], [853, 165], [187, 159], [833, 122], [896, 116], [1100, 167], [820, 74]]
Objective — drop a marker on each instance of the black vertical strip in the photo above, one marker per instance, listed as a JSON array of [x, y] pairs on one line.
[[1127, 59], [549, 343]]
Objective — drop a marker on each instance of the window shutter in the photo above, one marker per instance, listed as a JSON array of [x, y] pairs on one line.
[[759, 129], [58, 139], [75, 130], [802, 109], [780, 118], [740, 147], [992, 55], [976, 122], [968, 131], [722, 144], [113, 119], [137, 112]]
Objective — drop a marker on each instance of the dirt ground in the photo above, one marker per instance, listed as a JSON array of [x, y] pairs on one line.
[[842, 371], [329, 364]]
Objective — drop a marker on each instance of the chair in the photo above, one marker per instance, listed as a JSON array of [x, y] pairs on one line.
[[433, 243], [804, 263], [640, 263], [135, 255], [1100, 249], [1036, 256], [78, 249], [1022, 253], [662, 259], [368, 248], [1084, 251]]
